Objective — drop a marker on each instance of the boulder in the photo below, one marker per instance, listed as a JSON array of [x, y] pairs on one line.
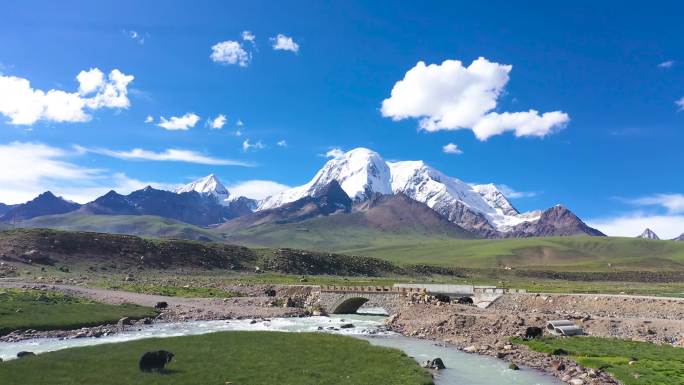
[[23, 354]]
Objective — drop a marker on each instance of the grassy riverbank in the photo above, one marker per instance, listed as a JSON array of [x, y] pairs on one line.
[[651, 364], [48, 310], [254, 358]]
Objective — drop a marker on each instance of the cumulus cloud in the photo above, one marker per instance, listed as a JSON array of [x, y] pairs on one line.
[[246, 145], [284, 43], [149, 119], [230, 52], [680, 103], [666, 64], [218, 122], [169, 155], [451, 148], [32, 168], [182, 123], [449, 96], [256, 189], [24, 105], [632, 224], [248, 36], [282, 143]]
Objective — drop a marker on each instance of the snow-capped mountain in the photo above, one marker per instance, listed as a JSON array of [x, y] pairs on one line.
[[209, 185], [361, 173], [648, 234]]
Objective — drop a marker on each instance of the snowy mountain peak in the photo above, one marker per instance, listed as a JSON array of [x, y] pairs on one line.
[[209, 185], [493, 195], [648, 234], [360, 172]]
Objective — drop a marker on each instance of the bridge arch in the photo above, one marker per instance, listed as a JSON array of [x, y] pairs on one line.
[[349, 305]]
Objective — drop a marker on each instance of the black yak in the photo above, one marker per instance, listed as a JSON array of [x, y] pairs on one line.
[[161, 305], [533, 332], [155, 360]]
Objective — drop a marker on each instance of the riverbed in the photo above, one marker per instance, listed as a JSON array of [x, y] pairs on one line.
[[462, 368]]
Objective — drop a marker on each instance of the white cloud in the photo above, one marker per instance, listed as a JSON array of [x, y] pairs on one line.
[[673, 203], [511, 193], [218, 122], [632, 224], [256, 189], [230, 52], [32, 168], [136, 36], [183, 123], [248, 36], [666, 64], [284, 43], [149, 119], [24, 105], [169, 155], [451, 148], [334, 153], [282, 143], [246, 145], [239, 123], [680, 103], [449, 96]]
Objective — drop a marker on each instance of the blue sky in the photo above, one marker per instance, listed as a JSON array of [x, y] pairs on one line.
[[611, 72]]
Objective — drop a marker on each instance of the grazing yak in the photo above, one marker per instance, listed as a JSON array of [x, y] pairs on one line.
[[270, 292], [443, 298], [533, 332], [155, 360], [465, 301], [161, 305]]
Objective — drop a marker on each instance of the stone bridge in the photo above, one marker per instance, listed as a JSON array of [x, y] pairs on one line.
[[348, 299]]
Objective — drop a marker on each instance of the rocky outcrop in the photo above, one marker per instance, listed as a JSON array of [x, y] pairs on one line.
[[648, 234]]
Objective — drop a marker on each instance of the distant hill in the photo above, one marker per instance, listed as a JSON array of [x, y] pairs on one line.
[[141, 225], [44, 204]]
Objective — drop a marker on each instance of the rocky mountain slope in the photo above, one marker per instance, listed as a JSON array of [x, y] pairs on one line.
[[679, 238], [44, 204], [648, 234], [556, 221], [189, 207]]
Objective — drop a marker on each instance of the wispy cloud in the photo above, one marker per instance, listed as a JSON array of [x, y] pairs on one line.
[[680, 103], [282, 143], [32, 168], [673, 203], [135, 36], [666, 64], [510, 192], [246, 145], [632, 224], [169, 155], [256, 189]]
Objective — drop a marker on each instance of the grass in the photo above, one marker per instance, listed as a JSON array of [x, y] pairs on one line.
[[43, 310], [176, 291], [653, 364], [141, 225], [239, 358]]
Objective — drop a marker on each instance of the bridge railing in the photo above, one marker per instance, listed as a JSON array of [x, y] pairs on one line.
[[372, 289]]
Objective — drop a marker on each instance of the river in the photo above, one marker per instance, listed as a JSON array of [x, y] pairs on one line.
[[462, 368]]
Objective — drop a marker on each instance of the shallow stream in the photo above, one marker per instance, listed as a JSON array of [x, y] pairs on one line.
[[462, 368]]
